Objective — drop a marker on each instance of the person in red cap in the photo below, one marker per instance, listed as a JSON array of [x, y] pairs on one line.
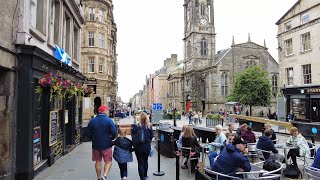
[[101, 130]]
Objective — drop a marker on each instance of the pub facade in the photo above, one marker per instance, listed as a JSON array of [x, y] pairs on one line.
[[50, 91]]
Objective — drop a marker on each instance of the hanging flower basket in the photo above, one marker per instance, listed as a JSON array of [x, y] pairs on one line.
[[56, 85], [88, 91]]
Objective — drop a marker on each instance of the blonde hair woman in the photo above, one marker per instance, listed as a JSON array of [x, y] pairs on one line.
[[142, 150]]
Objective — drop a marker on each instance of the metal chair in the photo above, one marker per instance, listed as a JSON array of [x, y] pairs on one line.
[[276, 141], [252, 150], [261, 155], [186, 152], [313, 148], [274, 172], [313, 173], [216, 175]]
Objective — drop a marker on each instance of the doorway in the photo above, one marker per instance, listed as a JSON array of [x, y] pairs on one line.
[[203, 106], [315, 110], [97, 104]]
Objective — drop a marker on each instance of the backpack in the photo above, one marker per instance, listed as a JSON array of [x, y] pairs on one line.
[[292, 171], [271, 164], [138, 138]]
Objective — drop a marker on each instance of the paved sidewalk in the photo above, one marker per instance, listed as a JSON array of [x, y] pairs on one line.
[[78, 165]]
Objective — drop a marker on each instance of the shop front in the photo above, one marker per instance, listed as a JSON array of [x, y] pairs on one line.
[[48, 122], [304, 103]]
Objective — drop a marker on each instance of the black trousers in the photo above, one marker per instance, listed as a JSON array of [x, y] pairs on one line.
[[142, 158], [293, 153], [123, 169]]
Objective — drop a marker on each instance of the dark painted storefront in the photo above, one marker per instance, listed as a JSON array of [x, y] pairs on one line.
[[304, 103], [46, 130]]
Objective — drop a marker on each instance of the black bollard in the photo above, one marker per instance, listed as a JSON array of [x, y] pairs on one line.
[[174, 117], [159, 173], [177, 166]]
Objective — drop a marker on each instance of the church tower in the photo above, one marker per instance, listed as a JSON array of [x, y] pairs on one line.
[[199, 34], [199, 51]]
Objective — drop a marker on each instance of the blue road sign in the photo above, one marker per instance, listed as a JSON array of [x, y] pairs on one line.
[[159, 106], [154, 106]]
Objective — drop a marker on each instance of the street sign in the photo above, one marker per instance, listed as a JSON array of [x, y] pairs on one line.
[[154, 106], [159, 106]]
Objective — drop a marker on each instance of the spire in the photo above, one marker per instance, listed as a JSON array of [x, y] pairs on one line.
[[249, 39], [264, 43], [232, 41]]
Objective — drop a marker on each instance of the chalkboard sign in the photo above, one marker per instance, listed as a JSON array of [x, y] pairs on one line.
[[36, 146], [53, 127]]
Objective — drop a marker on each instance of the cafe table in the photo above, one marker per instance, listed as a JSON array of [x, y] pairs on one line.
[[286, 148]]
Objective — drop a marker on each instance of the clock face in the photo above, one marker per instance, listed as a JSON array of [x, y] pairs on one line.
[[203, 22]]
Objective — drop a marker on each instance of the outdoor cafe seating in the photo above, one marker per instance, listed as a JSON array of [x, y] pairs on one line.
[[313, 173]]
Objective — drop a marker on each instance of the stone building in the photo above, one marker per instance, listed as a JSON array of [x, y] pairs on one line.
[[175, 87], [99, 58], [299, 41], [47, 42], [8, 93], [207, 76]]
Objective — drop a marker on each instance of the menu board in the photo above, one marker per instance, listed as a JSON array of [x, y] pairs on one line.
[[77, 116], [53, 121], [36, 146]]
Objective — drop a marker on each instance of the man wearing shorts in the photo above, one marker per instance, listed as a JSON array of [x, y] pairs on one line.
[[101, 130]]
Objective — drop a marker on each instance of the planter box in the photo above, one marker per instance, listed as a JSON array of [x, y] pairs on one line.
[[213, 122]]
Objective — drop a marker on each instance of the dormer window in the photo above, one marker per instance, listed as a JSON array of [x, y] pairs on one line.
[[288, 26], [305, 18]]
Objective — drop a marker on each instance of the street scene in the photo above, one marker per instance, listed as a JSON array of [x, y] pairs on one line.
[[189, 89]]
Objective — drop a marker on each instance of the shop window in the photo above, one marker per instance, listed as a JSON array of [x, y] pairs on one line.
[[298, 107], [306, 74]]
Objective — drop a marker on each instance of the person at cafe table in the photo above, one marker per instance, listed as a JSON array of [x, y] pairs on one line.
[[300, 143], [265, 143], [233, 159]]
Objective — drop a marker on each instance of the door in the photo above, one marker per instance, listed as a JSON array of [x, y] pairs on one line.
[[188, 105], [315, 110]]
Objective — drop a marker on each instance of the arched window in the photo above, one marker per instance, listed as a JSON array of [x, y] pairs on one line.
[[274, 83], [224, 84], [203, 47]]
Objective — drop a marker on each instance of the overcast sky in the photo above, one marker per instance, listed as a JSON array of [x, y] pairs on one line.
[[149, 31]]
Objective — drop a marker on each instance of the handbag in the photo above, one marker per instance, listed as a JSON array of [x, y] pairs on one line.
[[292, 171], [138, 138]]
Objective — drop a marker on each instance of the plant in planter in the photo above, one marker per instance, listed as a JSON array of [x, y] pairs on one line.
[[52, 83]]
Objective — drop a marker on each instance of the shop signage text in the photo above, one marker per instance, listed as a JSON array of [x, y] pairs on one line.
[[313, 90]]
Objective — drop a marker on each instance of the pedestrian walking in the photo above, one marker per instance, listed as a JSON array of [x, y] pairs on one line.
[[123, 152], [143, 149], [101, 130]]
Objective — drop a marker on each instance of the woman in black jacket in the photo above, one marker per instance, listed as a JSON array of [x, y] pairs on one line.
[[189, 139], [143, 150]]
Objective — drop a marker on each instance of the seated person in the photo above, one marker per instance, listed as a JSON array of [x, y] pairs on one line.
[[230, 128], [265, 143], [220, 140], [241, 129], [180, 137], [232, 159], [274, 137], [316, 162], [248, 135], [301, 144], [189, 139]]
